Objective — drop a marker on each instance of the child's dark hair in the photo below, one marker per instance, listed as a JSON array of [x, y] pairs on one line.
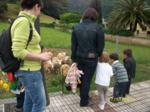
[[128, 52], [114, 56], [29, 4]]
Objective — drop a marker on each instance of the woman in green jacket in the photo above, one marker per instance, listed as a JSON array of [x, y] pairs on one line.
[[29, 73]]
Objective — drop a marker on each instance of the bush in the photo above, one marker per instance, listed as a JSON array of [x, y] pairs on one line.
[[49, 25], [3, 6], [13, 1], [70, 18], [120, 32], [67, 26]]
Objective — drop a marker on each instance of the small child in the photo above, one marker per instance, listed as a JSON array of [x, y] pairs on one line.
[[104, 73], [121, 78], [130, 65]]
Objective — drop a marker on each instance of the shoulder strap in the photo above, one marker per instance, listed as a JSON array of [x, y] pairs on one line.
[[31, 30], [30, 35]]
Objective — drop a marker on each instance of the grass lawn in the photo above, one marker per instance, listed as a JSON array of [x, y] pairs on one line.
[[52, 38]]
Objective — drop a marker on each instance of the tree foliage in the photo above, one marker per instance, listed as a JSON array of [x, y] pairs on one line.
[[70, 17], [97, 5], [3, 6], [78, 5], [53, 7], [129, 13]]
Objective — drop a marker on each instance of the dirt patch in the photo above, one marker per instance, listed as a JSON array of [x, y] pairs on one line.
[[128, 40], [55, 51]]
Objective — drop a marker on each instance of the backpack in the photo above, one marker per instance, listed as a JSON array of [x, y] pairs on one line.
[[10, 63]]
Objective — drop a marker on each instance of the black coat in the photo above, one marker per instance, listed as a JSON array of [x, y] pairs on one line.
[[87, 40], [130, 65]]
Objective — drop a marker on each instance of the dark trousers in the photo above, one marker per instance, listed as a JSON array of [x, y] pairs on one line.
[[120, 90], [20, 100], [128, 86], [88, 66]]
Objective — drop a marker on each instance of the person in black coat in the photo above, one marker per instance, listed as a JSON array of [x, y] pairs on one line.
[[130, 65], [87, 46]]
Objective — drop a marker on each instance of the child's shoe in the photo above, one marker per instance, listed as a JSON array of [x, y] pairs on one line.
[[120, 99], [115, 100], [102, 107]]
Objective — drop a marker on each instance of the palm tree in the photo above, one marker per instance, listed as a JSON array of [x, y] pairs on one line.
[[129, 13]]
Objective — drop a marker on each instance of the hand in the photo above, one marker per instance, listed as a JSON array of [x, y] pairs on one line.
[[45, 56]]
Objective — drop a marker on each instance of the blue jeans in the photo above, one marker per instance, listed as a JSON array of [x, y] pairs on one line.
[[35, 100]]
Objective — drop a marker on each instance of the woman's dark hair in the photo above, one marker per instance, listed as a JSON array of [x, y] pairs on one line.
[[29, 4], [90, 13], [114, 56], [128, 52]]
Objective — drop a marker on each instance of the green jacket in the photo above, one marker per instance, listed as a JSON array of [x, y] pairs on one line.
[[20, 33]]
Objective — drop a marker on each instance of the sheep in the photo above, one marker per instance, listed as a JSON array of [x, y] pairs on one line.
[[64, 69], [59, 64]]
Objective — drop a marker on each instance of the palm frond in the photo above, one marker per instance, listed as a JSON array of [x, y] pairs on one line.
[[129, 13]]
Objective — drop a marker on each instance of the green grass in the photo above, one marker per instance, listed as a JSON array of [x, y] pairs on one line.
[[55, 39], [52, 38], [3, 26], [46, 19]]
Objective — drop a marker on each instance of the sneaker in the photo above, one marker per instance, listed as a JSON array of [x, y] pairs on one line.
[[87, 105], [115, 100], [18, 110], [15, 91], [102, 107]]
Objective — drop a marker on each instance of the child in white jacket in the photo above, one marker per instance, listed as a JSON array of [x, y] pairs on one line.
[[104, 73]]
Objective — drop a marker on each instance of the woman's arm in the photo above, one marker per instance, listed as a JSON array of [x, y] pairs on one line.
[[100, 41], [73, 46], [39, 57], [20, 37]]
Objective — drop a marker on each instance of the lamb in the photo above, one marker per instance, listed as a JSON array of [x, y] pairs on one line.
[[64, 69]]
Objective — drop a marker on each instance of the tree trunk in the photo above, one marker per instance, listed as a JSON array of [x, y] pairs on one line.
[[133, 27], [97, 5]]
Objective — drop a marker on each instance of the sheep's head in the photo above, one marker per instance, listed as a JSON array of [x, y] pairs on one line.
[[64, 69], [61, 55], [67, 60]]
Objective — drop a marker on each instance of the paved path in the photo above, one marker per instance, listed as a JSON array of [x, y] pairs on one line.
[[138, 101]]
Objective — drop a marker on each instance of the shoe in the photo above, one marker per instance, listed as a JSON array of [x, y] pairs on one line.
[[90, 103], [120, 99], [115, 100], [15, 91], [102, 107], [19, 110], [87, 105]]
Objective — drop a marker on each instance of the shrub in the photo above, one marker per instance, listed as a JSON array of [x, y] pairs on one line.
[[3, 6], [49, 25], [70, 18], [69, 26], [121, 32]]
